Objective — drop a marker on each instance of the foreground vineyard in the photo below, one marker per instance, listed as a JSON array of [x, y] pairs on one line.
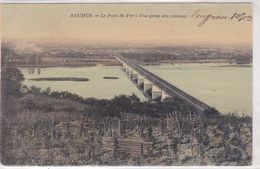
[[63, 138]]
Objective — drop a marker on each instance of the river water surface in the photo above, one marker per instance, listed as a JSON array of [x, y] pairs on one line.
[[225, 87], [97, 86]]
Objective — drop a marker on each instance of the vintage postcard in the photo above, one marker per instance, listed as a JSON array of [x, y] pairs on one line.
[[126, 84]]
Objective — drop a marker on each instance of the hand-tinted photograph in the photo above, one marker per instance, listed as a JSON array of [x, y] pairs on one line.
[[132, 84]]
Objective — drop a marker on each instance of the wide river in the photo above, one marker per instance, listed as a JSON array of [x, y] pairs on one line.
[[228, 89]]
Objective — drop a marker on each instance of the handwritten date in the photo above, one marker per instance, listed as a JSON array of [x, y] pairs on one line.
[[241, 17]]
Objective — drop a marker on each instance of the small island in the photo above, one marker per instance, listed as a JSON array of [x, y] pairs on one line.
[[110, 77], [60, 79]]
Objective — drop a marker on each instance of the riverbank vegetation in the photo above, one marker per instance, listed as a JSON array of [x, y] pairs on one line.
[[45, 127], [60, 79], [190, 54], [71, 55], [53, 56]]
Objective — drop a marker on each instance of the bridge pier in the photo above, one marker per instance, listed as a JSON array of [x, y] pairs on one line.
[[124, 67], [131, 72], [156, 93], [140, 82], [127, 71], [135, 77], [147, 85], [147, 88], [164, 96]]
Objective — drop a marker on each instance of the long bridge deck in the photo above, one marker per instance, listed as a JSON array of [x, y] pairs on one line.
[[170, 89]]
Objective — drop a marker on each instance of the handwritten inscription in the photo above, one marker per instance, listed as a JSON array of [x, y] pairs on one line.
[[199, 15], [207, 17]]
